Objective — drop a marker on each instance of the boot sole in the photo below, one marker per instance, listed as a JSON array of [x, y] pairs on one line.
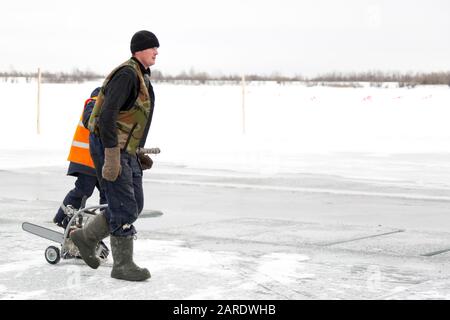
[[122, 277]]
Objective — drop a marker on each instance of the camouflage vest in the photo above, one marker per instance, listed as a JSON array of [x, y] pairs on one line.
[[131, 123]]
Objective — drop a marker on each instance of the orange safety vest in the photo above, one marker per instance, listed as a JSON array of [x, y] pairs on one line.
[[79, 151]]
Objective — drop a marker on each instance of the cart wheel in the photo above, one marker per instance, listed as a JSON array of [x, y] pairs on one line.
[[52, 255]]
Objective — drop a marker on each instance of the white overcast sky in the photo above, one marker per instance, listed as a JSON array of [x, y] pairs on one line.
[[291, 37]]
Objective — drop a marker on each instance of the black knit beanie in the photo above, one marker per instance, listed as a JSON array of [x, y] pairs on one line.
[[142, 40]]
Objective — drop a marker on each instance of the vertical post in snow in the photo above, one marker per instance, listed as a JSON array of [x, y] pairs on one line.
[[243, 104], [38, 116]]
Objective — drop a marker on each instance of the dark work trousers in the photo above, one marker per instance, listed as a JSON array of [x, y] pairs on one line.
[[125, 195], [84, 187]]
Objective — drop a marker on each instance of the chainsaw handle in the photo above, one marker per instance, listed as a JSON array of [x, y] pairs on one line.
[[148, 151]]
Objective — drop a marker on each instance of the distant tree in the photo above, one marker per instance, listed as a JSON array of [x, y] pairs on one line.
[[375, 78]]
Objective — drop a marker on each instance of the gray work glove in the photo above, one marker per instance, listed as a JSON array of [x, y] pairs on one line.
[[112, 168], [146, 161]]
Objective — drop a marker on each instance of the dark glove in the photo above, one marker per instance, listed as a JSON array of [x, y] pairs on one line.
[[146, 161], [112, 168]]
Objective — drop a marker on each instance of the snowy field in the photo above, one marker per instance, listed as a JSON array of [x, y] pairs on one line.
[[285, 125], [202, 126], [331, 193]]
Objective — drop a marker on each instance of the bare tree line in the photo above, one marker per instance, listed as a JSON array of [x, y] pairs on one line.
[[75, 76], [200, 77], [407, 79]]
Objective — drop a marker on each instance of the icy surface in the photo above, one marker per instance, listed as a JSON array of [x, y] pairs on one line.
[[331, 193]]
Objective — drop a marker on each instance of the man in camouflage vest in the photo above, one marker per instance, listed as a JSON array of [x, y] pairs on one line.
[[119, 125]]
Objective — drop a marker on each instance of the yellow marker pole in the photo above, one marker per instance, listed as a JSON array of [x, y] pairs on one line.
[[38, 117], [243, 104]]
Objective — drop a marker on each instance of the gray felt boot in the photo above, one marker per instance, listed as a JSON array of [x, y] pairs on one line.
[[88, 237], [124, 268]]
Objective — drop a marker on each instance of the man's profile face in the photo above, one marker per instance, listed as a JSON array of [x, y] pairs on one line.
[[147, 56]]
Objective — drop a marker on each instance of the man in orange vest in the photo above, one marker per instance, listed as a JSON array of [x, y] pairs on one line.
[[81, 166]]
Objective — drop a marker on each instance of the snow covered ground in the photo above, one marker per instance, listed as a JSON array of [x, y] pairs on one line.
[[331, 193]]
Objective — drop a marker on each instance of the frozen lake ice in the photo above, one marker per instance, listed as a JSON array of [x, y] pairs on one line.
[[332, 193]]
